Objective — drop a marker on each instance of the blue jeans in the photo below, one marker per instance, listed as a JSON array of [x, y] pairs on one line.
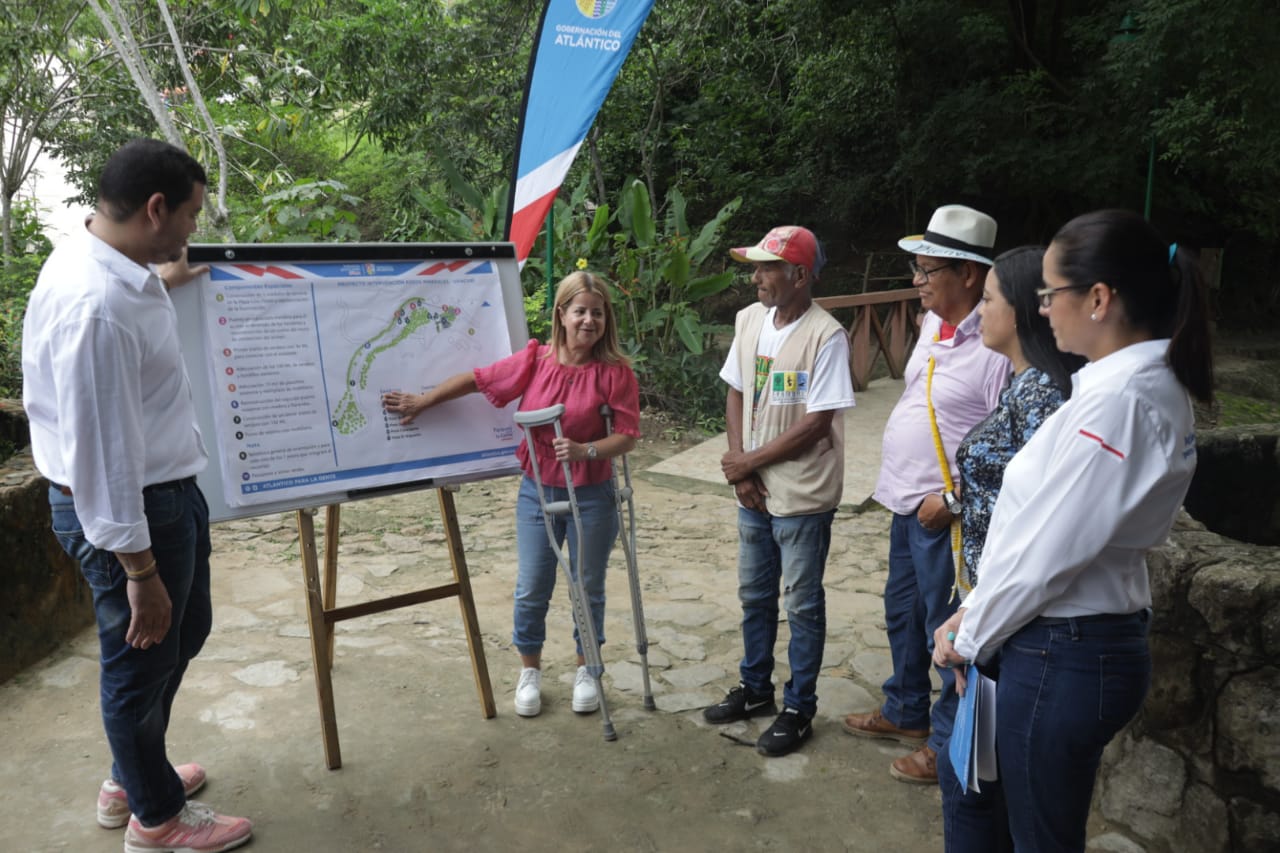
[[917, 599], [538, 567], [972, 822], [793, 551], [1063, 693], [138, 686]]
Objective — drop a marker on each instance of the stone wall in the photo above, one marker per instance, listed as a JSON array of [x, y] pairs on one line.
[[1199, 770], [1236, 488], [47, 599]]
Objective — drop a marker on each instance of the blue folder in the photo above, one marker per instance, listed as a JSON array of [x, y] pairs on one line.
[[964, 732]]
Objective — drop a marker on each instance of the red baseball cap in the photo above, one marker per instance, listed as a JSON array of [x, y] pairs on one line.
[[791, 243]]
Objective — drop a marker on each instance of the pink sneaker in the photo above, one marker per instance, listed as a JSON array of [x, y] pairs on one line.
[[113, 802], [195, 829]]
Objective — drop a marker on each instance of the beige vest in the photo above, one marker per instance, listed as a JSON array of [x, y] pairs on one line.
[[814, 481]]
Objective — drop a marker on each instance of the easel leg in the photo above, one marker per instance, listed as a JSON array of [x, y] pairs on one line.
[[331, 523], [467, 602], [321, 635]]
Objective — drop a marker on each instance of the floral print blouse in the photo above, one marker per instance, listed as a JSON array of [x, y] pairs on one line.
[[1028, 400]]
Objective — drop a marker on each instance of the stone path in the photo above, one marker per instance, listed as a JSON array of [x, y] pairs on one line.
[[422, 770]]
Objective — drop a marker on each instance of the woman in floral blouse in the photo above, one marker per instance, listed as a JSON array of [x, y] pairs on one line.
[[1041, 382]]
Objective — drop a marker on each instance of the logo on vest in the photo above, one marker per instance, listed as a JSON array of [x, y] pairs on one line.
[[788, 387]]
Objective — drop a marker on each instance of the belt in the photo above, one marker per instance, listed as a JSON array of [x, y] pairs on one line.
[[66, 490], [1091, 617]]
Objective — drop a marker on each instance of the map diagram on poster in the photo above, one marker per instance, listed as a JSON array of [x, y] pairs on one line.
[[301, 354]]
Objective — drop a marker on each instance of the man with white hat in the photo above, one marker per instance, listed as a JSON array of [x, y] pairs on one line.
[[952, 383], [789, 380]]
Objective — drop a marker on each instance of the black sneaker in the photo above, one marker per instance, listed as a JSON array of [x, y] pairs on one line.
[[786, 734], [738, 705]]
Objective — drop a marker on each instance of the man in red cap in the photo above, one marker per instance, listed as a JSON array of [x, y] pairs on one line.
[[789, 381]]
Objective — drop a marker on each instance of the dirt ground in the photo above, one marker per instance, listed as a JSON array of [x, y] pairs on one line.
[[422, 769]]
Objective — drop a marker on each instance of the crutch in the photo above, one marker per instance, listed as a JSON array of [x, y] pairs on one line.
[[627, 536], [577, 587]]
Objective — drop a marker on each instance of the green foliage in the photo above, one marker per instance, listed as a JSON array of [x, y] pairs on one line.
[[386, 182], [308, 212], [655, 266], [18, 275], [467, 213], [1239, 410], [438, 77], [535, 313], [29, 239], [854, 117], [654, 262]]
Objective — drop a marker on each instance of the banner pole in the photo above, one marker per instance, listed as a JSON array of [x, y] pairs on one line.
[[551, 252]]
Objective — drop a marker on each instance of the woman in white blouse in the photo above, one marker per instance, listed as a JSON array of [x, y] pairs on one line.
[[1062, 606]]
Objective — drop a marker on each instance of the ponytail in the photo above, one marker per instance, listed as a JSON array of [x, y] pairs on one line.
[[1190, 351]]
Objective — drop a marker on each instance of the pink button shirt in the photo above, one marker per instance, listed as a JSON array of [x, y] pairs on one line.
[[536, 376], [967, 381]]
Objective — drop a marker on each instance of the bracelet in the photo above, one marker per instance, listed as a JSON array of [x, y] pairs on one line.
[[142, 574]]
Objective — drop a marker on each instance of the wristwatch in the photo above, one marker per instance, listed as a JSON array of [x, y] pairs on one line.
[[592, 453], [952, 502]]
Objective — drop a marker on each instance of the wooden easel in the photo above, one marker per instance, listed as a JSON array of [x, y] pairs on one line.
[[322, 613]]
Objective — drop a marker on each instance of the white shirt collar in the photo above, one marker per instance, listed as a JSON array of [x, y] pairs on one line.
[[116, 262], [1119, 364], [964, 329]]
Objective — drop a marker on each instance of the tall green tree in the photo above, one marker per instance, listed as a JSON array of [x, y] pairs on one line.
[[36, 94]]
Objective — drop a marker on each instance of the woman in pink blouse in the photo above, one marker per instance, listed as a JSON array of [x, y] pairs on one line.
[[582, 368]]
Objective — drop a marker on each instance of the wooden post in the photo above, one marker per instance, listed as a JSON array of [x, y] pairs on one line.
[[331, 528], [467, 603], [894, 342], [321, 636]]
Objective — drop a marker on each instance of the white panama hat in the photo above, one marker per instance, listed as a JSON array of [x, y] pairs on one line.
[[955, 231]]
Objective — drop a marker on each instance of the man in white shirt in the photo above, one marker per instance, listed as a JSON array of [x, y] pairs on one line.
[[113, 428], [789, 381]]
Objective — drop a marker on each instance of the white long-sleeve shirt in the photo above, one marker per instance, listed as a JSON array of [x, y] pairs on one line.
[[1097, 486], [105, 388]]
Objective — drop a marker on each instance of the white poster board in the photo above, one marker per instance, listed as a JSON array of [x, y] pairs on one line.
[[289, 348]]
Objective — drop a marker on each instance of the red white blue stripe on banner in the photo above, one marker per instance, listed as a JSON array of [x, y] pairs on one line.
[[577, 53], [293, 271]]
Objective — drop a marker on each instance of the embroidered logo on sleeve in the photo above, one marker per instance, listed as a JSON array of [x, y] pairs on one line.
[[1101, 441], [788, 387]]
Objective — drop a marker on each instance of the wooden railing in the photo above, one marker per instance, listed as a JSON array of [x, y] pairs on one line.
[[871, 335]]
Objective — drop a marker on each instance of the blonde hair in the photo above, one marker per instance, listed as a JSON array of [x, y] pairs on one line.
[[606, 349]]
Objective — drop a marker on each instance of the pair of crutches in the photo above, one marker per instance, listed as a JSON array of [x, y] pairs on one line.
[[580, 605]]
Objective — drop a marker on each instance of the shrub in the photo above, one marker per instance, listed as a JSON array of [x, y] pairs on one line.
[[18, 273]]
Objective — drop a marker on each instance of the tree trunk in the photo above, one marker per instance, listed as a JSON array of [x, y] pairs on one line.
[[220, 216], [6, 227], [129, 52]]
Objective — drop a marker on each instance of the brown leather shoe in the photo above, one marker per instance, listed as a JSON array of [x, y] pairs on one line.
[[875, 725], [919, 768]]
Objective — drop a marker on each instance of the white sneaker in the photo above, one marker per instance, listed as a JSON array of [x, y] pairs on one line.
[[529, 692], [586, 698]]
